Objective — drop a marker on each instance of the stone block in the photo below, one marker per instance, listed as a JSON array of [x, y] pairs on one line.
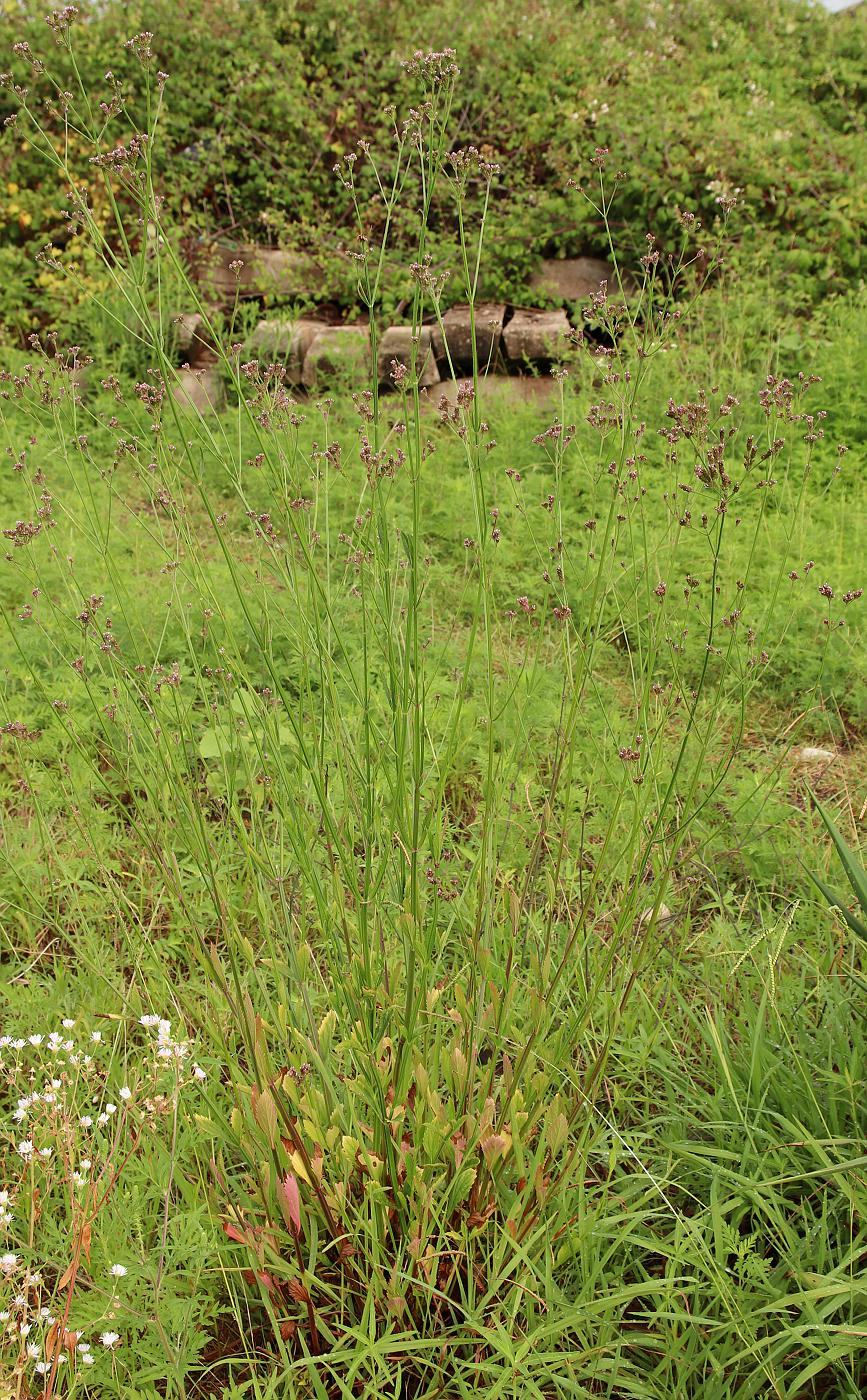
[[263, 272], [396, 344], [536, 336], [193, 340], [458, 335], [337, 352], [285, 342], [573, 279], [529, 389], [497, 391], [188, 329], [200, 390]]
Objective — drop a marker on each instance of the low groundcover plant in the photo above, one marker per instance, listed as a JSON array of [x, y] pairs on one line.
[[83, 1109]]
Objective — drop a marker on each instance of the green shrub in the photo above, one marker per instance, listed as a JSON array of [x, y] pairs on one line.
[[692, 100]]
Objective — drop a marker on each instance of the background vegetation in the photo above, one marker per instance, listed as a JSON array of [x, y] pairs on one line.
[[691, 98]]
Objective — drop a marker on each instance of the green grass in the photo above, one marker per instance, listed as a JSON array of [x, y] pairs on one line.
[[424, 826]]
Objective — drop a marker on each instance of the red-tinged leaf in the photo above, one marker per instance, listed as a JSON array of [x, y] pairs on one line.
[[477, 1218], [266, 1281], [298, 1291], [53, 1340], [234, 1233], [288, 1330], [293, 1201]]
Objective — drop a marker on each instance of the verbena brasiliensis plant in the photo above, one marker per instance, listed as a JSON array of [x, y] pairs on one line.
[[423, 911]]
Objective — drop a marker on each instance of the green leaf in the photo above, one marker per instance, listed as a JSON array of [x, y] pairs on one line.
[[855, 872], [216, 742], [836, 902]]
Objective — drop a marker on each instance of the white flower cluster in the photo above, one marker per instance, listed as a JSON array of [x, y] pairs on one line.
[[73, 1109], [167, 1047], [58, 1055], [30, 1329]]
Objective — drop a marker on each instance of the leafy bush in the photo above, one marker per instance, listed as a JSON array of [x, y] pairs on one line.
[[693, 100]]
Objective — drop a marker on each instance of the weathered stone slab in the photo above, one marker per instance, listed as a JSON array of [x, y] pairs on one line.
[[251, 271], [194, 342], [187, 330], [537, 336], [524, 388], [285, 342], [572, 279], [498, 389], [396, 343], [458, 335], [200, 390], [815, 755], [337, 351]]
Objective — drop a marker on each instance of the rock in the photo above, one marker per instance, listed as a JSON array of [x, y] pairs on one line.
[[457, 326], [663, 915], [396, 344], [445, 389], [536, 336], [262, 272], [200, 390], [811, 755], [193, 339], [340, 351], [187, 330], [524, 388], [285, 342], [499, 389], [573, 279]]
